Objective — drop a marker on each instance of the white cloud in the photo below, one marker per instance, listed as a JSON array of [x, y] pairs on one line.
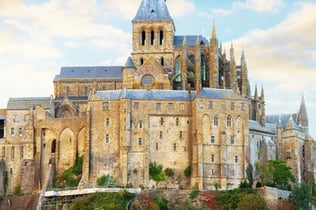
[[259, 5], [222, 12]]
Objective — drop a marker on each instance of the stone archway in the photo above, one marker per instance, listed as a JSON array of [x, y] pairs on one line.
[[66, 150]]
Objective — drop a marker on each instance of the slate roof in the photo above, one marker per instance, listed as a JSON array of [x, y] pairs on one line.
[[279, 119], [72, 98], [78, 72], [219, 94], [27, 103], [191, 40], [129, 63], [153, 10], [255, 126], [146, 94]]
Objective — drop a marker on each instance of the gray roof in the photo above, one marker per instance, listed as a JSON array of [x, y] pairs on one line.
[[78, 72], [153, 10], [281, 119], [72, 98], [27, 103], [191, 40], [255, 126], [146, 94], [129, 63], [219, 94]]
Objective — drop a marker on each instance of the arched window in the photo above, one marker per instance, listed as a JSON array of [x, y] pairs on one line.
[[152, 37], [215, 120], [203, 68], [143, 40], [141, 61], [53, 148], [161, 38], [162, 61], [178, 69]]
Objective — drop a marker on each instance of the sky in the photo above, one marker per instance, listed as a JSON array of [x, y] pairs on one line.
[[38, 37]]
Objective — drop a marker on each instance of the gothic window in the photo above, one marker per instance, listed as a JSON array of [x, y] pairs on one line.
[[161, 38], [177, 121], [236, 159], [232, 106], [242, 106], [229, 121], [232, 141], [147, 80], [215, 120], [152, 37], [2, 129], [203, 68], [223, 106], [161, 121], [200, 104], [136, 105], [53, 148], [178, 69], [143, 38], [140, 125], [192, 59], [158, 107], [174, 147], [212, 158]]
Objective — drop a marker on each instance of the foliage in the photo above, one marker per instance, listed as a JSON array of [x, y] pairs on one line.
[[301, 196], [115, 201], [251, 202], [106, 181], [17, 190], [244, 184], [194, 194], [155, 172], [249, 173], [161, 202], [187, 171], [230, 198], [278, 174], [70, 177], [217, 186], [314, 187], [169, 172]]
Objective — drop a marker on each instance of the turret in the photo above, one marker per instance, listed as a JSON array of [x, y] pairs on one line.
[[262, 108], [244, 76], [213, 67], [233, 75], [302, 118]]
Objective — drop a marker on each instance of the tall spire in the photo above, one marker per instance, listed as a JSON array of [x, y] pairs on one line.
[[244, 75], [213, 67], [233, 75], [302, 118]]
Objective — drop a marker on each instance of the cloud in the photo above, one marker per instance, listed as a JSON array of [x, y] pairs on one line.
[[222, 12], [259, 5]]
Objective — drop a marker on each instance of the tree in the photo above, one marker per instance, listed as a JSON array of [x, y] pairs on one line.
[[230, 198], [251, 202], [301, 196], [278, 174]]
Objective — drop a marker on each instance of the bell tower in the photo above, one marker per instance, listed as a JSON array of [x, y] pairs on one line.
[[153, 33]]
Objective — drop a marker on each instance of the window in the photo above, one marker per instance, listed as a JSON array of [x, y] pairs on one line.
[[107, 138], [147, 80], [223, 105], [21, 152], [15, 118], [236, 159], [215, 120], [141, 61], [242, 106], [12, 153], [143, 38], [162, 61], [106, 106], [212, 139], [181, 107], [140, 125], [12, 132], [212, 158], [232, 141], [53, 149], [157, 146], [158, 107], [26, 118], [161, 121], [210, 104], [67, 91], [288, 154], [20, 132], [229, 121], [85, 91], [107, 122], [177, 121], [161, 37], [174, 147], [232, 106], [200, 104], [140, 141], [136, 105], [160, 135], [180, 134], [152, 37], [3, 151], [170, 106]]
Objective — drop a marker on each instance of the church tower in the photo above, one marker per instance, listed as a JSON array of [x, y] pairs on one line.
[[153, 33]]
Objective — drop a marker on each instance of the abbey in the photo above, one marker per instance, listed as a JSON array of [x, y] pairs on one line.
[[178, 101]]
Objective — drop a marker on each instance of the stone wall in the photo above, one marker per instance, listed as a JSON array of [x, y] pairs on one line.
[[272, 195]]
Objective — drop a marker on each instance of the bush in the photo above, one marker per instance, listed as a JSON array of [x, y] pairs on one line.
[[161, 202], [251, 202], [106, 181], [187, 171], [169, 172], [155, 172], [194, 194], [17, 190]]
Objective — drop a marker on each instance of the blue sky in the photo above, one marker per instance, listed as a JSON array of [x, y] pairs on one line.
[[37, 37]]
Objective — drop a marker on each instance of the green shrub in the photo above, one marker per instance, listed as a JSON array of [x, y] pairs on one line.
[[106, 181], [194, 194], [169, 172], [77, 168], [17, 190], [161, 202], [155, 172], [187, 171]]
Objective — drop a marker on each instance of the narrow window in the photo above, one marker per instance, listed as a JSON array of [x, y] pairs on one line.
[[157, 146], [12, 131], [170, 106], [20, 132], [162, 61], [200, 104], [106, 106], [223, 106], [12, 153], [107, 122], [216, 120], [15, 118], [140, 125], [180, 134], [181, 107], [232, 141], [232, 106], [26, 118], [152, 37], [140, 141], [136, 105], [174, 147], [161, 38], [158, 107], [143, 40], [53, 148], [107, 138], [212, 139], [212, 158], [85, 91], [160, 135], [210, 104], [141, 61], [67, 91], [242, 106], [21, 152], [161, 121], [177, 121], [236, 159], [3, 151], [229, 121]]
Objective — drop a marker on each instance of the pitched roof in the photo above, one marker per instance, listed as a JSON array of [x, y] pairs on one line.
[[191, 40], [27, 103], [255, 126], [219, 94], [153, 10], [78, 72]]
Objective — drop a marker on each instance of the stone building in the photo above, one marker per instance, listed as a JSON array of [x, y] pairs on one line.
[[178, 101]]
